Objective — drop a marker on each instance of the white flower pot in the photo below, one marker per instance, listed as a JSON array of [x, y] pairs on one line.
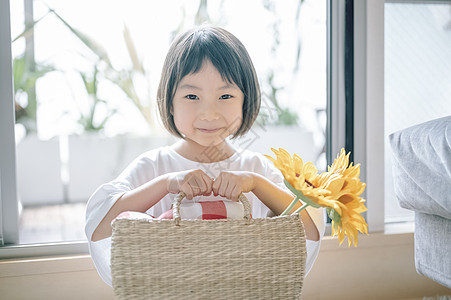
[[291, 138], [38, 171], [94, 160]]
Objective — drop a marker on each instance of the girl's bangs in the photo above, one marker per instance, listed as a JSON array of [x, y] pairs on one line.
[[217, 53]]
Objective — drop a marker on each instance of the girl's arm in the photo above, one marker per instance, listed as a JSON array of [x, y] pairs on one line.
[[231, 184], [139, 199], [278, 200], [192, 183]]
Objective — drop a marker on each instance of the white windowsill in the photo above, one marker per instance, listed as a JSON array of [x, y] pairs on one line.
[[22, 265], [389, 228], [45, 265], [44, 250], [393, 233]]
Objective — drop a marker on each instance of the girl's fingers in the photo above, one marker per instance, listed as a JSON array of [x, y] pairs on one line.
[[216, 185], [199, 182], [188, 191], [223, 186], [235, 193], [192, 183], [222, 191], [228, 184], [208, 182], [198, 186]]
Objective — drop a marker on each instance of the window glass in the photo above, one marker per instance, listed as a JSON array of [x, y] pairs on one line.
[[417, 76], [96, 70]]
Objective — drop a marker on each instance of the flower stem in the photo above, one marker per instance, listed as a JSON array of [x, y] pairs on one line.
[[300, 209], [290, 207]]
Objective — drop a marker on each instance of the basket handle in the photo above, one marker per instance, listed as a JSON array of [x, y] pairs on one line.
[[178, 200]]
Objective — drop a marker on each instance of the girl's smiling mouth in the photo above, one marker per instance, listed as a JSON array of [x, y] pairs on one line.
[[209, 130]]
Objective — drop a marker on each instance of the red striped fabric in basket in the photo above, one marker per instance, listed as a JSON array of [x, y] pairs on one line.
[[196, 210]]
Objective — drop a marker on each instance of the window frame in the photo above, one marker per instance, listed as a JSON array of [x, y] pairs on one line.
[[9, 216], [369, 105], [367, 97], [368, 136]]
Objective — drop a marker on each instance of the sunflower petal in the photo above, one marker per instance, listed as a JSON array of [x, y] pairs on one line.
[[338, 190]]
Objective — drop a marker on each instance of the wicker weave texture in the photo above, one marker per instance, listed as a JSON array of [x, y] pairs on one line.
[[208, 259]]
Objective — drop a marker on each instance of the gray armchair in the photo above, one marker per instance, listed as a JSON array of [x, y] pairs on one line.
[[422, 181]]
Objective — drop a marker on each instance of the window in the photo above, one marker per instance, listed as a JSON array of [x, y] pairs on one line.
[[400, 64], [417, 75], [65, 120]]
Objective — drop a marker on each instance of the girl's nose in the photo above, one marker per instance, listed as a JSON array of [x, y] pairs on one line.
[[209, 112]]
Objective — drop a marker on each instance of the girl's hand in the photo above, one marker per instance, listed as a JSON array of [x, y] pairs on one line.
[[231, 184], [192, 183]]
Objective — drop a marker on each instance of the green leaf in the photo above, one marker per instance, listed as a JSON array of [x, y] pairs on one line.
[[137, 64], [300, 195], [29, 29], [333, 215], [85, 39]]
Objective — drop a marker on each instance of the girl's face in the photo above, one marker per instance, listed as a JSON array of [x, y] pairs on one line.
[[206, 108]]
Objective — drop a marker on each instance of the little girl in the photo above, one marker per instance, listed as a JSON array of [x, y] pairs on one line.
[[208, 91]]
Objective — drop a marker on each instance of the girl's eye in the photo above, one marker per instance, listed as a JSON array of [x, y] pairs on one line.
[[225, 97], [192, 97]]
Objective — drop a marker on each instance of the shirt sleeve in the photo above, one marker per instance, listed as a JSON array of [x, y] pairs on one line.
[[316, 214], [98, 206], [101, 201]]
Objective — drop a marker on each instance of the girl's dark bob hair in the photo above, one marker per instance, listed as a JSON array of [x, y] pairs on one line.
[[229, 56]]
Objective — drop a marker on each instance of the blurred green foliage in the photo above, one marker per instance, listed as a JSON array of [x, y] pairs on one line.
[[25, 76]]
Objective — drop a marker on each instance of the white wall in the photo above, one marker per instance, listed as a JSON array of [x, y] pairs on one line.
[[381, 267]]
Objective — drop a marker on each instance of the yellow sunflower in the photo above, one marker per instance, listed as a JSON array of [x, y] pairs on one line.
[[351, 222], [342, 180], [338, 190], [332, 183], [298, 177]]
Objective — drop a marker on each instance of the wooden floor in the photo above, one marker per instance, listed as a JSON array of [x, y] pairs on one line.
[[52, 223]]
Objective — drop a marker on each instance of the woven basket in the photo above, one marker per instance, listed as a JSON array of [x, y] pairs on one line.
[[208, 259]]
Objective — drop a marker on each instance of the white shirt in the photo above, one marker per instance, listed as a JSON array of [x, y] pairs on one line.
[[165, 160]]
